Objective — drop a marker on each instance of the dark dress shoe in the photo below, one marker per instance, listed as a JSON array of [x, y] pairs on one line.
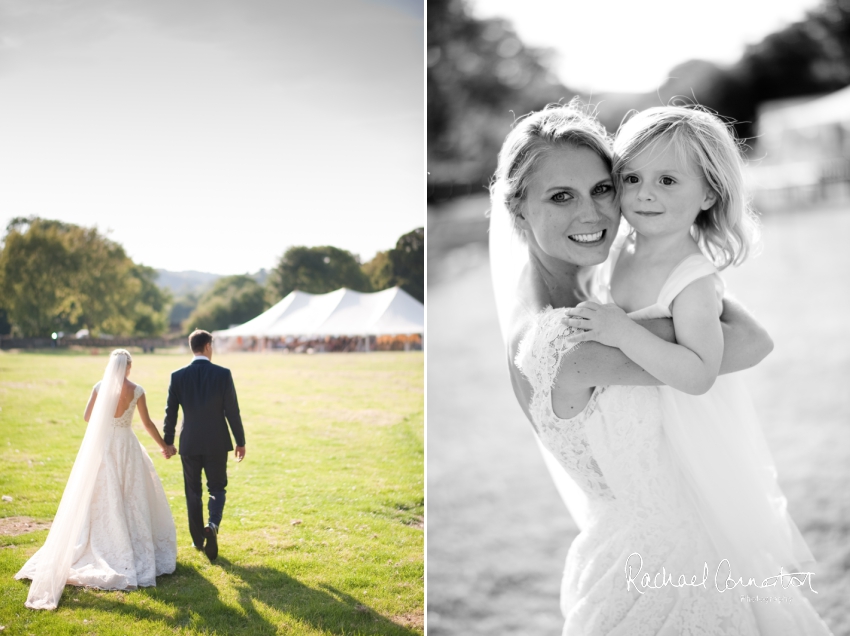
[[211, 544]]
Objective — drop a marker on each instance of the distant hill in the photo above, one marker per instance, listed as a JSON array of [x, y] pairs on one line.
[[261, 276], [180, 283]]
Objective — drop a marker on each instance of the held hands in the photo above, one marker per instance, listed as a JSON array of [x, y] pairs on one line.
[[168, 451], [240, 453], [605, 324]]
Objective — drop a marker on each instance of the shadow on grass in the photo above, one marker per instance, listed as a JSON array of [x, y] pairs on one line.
[[196, 604]]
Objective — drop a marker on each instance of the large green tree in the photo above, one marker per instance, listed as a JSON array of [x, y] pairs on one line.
[[402, 266], [232, 300], [148, 304], [57, 276], [380, 271], [316, 270], [408, 259]]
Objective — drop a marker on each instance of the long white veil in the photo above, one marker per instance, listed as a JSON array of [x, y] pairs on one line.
[[508, 257], [53, 560]]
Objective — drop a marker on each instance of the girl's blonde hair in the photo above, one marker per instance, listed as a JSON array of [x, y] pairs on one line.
[[728, 231], [532, 137]]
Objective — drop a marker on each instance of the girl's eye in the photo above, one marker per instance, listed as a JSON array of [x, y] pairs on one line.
[[630, 178], [667, 180], [561, 197]]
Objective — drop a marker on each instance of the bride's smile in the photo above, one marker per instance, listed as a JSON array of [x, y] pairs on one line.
[[588, 238]]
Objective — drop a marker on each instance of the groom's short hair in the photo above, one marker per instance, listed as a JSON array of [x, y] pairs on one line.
[[199, 339]]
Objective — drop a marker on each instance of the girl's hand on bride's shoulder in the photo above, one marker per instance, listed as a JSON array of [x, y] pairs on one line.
[[606, 324]]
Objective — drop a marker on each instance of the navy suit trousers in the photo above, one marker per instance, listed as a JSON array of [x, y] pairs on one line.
[[215, 469]]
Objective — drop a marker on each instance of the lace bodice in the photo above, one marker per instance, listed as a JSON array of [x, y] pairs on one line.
[[613, 448], [126, 420], [539, 357]]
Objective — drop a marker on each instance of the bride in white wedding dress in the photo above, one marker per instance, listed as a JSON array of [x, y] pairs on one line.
[[599, 416], [113, 529]]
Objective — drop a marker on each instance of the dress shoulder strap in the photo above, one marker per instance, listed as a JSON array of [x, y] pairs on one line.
[[692, 268], [138, 391]]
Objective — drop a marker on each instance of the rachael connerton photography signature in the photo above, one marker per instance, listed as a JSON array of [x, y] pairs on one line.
[[723, 579]]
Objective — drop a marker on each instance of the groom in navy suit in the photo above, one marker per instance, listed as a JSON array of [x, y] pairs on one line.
[[207, 396]]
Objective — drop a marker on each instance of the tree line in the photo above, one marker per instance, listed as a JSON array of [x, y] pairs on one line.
[[480, 76], [57, 276], [60, 277]]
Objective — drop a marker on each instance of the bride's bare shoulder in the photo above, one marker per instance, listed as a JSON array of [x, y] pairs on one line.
[[129, 387]]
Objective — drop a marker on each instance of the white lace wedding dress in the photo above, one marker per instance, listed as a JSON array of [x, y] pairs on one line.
[[128, 536], [617, 452]]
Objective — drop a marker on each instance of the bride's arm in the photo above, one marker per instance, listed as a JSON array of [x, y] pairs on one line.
[[745, 344], [150, 427], [90, 405]]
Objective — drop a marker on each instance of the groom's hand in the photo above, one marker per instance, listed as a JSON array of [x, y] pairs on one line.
[[170, 451], [240, 453]]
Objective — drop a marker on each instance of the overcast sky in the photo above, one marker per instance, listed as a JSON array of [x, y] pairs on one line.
[[213, 134], [631, 45]]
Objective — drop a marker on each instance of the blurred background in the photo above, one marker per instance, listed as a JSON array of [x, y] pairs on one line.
[[498, 533]]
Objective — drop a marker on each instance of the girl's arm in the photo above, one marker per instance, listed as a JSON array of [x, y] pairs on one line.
[[590, 364], [150, 427], [745, 344], [90, 405], [690, 365]]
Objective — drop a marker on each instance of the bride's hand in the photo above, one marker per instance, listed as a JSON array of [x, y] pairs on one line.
[[605, 324]]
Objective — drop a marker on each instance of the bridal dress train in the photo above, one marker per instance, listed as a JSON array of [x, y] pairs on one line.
[[127, 536], [645, 516]]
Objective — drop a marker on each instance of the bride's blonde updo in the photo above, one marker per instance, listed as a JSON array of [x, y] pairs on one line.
[[125, 353], [534, 135]]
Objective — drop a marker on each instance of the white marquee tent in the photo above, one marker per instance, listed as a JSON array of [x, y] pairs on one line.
[[392, 312], [802, 150]]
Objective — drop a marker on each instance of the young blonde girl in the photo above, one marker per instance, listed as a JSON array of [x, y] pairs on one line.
[[680, 184], [679, 178]]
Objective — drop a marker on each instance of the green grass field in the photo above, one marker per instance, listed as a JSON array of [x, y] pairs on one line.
[[335, 441]]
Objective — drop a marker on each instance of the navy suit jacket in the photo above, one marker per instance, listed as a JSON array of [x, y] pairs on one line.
[[207, 396]]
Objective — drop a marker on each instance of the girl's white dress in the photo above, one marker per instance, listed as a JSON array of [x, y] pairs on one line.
[[641, 518], [128, 537]]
